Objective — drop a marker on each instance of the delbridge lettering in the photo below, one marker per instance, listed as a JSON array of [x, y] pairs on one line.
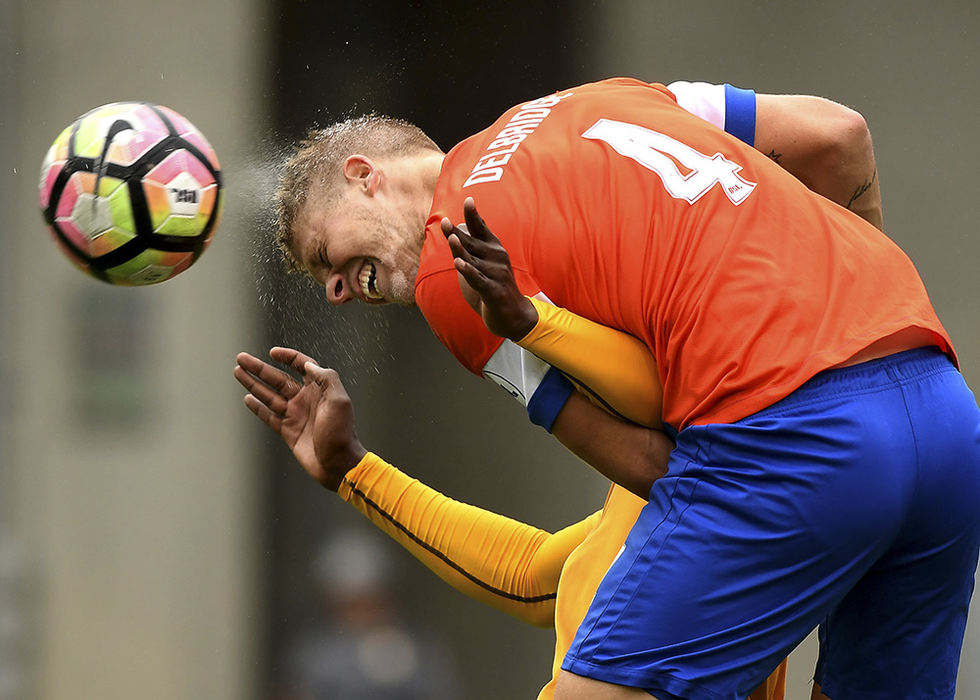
[[490, 166]]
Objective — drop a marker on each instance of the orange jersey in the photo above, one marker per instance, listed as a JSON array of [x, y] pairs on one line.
[[622, 207]]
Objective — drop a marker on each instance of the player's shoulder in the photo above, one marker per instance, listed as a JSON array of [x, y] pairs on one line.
[[436, 272], [457, 326], [617, 90]]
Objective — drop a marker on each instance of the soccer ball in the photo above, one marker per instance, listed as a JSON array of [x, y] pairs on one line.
[[131, 192]]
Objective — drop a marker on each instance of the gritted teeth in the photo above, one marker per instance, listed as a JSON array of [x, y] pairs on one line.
[[368, 277]]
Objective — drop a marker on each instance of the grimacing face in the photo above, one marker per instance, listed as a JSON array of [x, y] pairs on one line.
[[360, 248]]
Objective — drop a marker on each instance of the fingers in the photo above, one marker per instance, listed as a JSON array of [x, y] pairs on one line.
[[459, 249], [475, 224], [478, 254], [273, 377], [472, 267], [455, 236], [483, 254], [326, 378], [261, 391], [317, 373], [475, 235], [290, 357], [265, 414], [484, 274], [270, 389], [474, 275]]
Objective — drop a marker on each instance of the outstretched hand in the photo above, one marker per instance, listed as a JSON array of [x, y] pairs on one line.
[[314, 417], [486, 277]]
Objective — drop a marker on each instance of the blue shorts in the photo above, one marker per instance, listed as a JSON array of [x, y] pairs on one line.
[[852, 504]]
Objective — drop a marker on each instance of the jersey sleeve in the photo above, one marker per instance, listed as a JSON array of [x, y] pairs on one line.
[[507, 564], [726, 106], [457, 326]]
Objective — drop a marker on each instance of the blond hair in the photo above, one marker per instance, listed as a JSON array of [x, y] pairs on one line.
[[316, 165]]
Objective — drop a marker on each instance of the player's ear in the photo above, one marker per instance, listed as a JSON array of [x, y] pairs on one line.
[[362, 172]]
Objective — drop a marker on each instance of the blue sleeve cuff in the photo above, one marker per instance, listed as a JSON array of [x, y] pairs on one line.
[[549, 398], [740, 113]]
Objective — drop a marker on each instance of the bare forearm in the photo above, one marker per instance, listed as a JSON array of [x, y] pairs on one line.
[[628, 454], [825, 145], [865, 199]]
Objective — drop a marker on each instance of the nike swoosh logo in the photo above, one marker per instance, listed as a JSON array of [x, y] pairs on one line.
[[101, 165]]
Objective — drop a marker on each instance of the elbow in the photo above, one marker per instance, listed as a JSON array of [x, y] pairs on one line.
[[543, 620], [847, 138], [541, 614]]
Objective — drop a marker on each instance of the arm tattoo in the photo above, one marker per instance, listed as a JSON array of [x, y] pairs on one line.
[[861, 189], [773, 155]]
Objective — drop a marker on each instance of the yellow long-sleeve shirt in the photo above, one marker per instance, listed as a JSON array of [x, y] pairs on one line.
[[540, 577], [545, 579]]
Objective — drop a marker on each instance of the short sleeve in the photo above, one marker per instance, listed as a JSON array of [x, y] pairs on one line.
[[726, 106]]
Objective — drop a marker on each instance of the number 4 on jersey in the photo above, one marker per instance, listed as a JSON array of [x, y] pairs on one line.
[[661, 153]]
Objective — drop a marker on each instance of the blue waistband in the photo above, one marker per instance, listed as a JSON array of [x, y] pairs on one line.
[[900, 367]]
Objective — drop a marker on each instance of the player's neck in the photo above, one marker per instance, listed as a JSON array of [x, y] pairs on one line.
[[429, 166]]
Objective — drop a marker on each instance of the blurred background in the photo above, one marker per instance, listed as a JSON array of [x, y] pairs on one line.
[[155, 540]]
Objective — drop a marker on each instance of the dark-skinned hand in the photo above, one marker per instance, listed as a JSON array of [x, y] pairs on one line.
[[486, 277], [315, 416]]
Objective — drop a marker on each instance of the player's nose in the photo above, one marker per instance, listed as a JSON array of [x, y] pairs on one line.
[[337, 289]]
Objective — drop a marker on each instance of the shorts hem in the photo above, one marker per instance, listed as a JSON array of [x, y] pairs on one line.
[[654, 683], [833, 690]]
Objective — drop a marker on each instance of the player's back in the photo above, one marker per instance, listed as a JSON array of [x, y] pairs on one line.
[[624, 208]]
